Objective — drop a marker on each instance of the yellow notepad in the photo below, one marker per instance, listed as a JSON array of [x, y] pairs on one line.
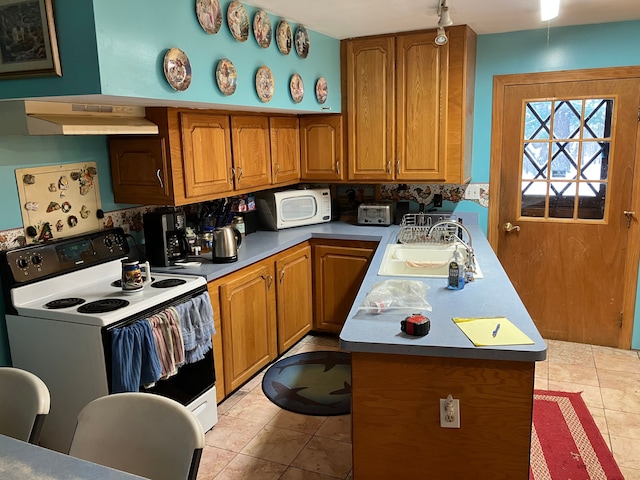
[[487, 331]]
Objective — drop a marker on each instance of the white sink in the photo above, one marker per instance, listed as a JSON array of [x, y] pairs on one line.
[[421, 260]]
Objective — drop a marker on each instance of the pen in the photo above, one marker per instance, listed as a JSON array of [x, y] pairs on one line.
[[495, 332]]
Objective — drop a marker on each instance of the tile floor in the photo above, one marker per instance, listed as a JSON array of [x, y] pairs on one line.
[[254, 439]]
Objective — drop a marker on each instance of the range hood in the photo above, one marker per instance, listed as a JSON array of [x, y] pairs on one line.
[[33, 117]]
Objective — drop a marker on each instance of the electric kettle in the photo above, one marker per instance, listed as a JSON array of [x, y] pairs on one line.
[[226, 241]]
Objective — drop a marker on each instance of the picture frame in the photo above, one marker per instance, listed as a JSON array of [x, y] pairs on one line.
[[28, 42]]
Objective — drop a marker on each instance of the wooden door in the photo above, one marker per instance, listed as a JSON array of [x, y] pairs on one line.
[[140, 170], [371, 97], [321, 144], [338, 269], [251, 151], [294, 299], [421, 68], [564, 150], [206, 154], [247, 300], [285, 149]]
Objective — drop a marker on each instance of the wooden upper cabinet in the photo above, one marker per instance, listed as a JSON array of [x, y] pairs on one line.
[[285, 149], [409, 106], [321, 144], [206, 154], [421, 75], [140, 170], [251, 151], [370, 65]]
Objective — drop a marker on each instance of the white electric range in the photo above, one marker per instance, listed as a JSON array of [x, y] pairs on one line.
[[63, 298]]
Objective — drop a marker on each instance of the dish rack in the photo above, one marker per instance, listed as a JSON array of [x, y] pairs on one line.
[[415, 228]]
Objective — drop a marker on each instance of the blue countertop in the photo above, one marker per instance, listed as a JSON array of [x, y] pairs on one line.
[[21, 461], [491, 296]]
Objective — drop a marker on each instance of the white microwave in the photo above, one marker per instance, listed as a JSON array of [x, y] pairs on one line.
[[293, 208]]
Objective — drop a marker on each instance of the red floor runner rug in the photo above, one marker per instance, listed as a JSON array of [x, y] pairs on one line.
[[565, 441]]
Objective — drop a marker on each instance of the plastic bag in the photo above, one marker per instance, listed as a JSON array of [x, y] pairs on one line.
[[397, 296]]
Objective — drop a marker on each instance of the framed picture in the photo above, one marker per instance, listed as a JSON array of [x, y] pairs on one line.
[[28, 45]]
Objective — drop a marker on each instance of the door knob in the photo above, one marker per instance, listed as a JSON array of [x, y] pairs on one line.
[[509, 227]]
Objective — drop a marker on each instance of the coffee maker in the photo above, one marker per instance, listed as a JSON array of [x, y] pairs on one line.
[[165, 236]]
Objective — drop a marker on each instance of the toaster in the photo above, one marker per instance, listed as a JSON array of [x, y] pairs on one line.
[[375, 214]]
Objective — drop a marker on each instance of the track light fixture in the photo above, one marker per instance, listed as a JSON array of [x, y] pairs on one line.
[[444, 20]]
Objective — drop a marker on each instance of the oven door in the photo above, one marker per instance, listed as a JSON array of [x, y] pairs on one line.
[[192, 382]]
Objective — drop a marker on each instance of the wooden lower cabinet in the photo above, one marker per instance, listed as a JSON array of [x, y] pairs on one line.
[[218, 359], [260, 311], [294, 295], [248, 312], [339, 267]]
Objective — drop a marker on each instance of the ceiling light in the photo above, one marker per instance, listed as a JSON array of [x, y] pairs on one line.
[[441, 37], [549, 9]]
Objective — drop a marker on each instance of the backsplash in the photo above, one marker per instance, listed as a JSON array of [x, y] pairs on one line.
[[130, 219]]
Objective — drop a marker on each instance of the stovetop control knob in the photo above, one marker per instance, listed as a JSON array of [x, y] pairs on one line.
[[36, 259], [22, 262], [108, 242]]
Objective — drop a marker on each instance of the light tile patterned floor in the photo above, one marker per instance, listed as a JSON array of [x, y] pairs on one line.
[[256, 439]]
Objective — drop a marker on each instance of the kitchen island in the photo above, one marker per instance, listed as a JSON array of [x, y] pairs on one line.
[[398, 381]]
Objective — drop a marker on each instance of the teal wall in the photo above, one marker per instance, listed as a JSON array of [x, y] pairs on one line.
[[117, 47], [568, 48]]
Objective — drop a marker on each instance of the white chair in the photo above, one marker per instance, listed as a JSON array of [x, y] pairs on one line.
[[140, 433], [24, 404]]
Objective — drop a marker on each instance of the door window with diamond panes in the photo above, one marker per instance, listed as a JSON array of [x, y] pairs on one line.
[[565, 158]]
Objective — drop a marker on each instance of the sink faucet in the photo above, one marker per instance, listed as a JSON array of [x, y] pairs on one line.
[[440, 231]]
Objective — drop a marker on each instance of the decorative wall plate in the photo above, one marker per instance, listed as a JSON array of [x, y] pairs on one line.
[[177, 69], [302, 42], [262, 28], [321, 90], [296, 86], [226, 76], [209, 15], [264, 84], [238, 21], [283, 37]]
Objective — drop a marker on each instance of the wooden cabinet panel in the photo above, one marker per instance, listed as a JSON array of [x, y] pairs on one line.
[[322, 146], [421, 68], [140, 169], [294, 298], [218, 357], [338, 270], [251, 151], [206, 153], [247, 300], [285, 149], [409, 106], [371, 97]]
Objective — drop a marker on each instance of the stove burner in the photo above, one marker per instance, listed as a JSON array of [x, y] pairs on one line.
[[64, 303], [102, 306], [168, 283], [118, 283]]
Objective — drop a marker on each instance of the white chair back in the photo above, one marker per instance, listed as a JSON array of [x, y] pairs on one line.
[[24, 404], [140, 433]]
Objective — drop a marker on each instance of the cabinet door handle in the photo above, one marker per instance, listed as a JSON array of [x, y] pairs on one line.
[[398, 167], [232, 176], [159, 178], [281, 275], [239, 174], [269, 280], [389, 167], [277, 170], [338, 167]]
